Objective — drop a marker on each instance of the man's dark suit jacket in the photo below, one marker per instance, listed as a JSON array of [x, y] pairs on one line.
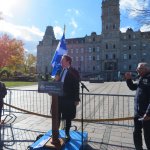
[[66, 102]]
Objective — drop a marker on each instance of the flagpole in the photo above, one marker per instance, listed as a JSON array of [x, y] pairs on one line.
[[64, 28]]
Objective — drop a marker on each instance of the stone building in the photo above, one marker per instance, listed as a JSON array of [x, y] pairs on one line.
[[106, 55]]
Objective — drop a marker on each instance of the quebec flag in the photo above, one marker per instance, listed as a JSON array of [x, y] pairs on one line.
[[60, 51]]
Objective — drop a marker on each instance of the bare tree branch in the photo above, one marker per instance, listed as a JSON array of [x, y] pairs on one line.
[[143, 16]]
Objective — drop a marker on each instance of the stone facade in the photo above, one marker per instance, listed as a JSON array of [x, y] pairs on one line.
[[106, 55]]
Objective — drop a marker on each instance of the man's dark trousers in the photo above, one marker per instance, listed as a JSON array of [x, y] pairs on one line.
[[137, 134]]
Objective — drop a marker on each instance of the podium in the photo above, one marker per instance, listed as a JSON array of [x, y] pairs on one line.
[[55, 139], [55, 89]]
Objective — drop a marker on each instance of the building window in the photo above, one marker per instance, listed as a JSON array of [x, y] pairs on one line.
[[93, 68], [72, 58], [129, 56], [93, 57], [79, 69], [77, 50], [124, 56], [114, 56], [114, 26], [134, 55], [114, 46], [125, 67], [93, 39], [90, 50], [82, 50], [97, 49], [106, 56], [93, 49], [106, 46], [90, 58], [130, 67], [129, 47], [97, 57], [77, 59], [71, 50], [110, 56], [89, 40], [129, 36], [81, 58]]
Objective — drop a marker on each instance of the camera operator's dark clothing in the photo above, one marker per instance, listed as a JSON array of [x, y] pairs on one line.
[[142, 97], [3, 92], [137, 134], [141, 107]]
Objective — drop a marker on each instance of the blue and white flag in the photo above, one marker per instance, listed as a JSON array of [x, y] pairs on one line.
[[60, 51]]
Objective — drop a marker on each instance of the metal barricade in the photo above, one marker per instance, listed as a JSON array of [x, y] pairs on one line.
[[98, 108]]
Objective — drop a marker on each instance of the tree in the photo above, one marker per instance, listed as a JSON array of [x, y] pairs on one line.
[[12, 53], [29, 62], [143, 12]]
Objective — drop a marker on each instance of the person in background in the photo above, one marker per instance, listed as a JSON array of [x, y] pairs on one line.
[[3, 93], [141, 104], [70, 99]]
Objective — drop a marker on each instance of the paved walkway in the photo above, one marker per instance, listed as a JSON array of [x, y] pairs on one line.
[[22, 129]]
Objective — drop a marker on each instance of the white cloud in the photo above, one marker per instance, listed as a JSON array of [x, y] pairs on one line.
[[7, 7], [58, 31], [29, 35], [124, 29], [73, 23], [73, 12], [26, 50], [72, 16], [22, 32], [132, 6], [145, 28], [73, 33]]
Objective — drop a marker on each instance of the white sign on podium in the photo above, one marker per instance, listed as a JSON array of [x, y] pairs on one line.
[[54, 87]]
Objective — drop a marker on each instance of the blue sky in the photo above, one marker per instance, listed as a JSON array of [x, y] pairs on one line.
[[28, 19]]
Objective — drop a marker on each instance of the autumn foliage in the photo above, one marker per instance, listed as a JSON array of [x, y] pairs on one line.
[[11, 52]]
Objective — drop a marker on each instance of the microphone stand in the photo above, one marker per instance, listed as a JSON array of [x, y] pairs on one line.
[[82, 87]]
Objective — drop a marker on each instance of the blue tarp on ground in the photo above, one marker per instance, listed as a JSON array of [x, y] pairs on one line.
[[74, 144]]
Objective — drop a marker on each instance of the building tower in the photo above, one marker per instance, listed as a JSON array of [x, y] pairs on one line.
[[110, 37], [45, 51], [110, 17]]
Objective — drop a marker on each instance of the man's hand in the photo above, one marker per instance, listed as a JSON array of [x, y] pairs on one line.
[[128, 75], [76, 103], [145, 117], [57, 78]]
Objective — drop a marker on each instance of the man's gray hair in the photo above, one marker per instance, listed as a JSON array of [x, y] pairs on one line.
[[146, 65]]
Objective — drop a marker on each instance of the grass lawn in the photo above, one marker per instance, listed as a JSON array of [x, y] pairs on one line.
[[18, 83]]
